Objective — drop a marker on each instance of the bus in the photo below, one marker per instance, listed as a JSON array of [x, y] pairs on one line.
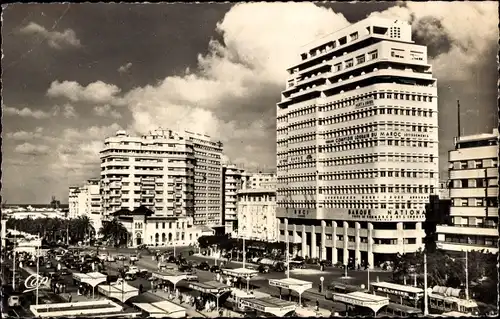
[[446, 299], [399, 294], [397, 310], [336, 287]]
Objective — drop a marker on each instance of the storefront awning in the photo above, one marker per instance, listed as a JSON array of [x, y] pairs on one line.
[[211, 287], [270, 305], [296, 285], [361, 299], [240, 272], [162, 309], [120, 291], [92, 279]]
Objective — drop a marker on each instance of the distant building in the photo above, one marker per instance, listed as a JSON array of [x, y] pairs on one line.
[[473, 168], [86, 201], [257, 214], [175, 174], [36, 214], [444, 190], [262, 180], [233, 179]]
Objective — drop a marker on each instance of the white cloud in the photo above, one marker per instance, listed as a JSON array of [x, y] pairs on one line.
[[31, 149], [471, 28], [55, 39], [67, 110], [96, 92], [25, 112], [25, 135], [106, 110], [125, 68]]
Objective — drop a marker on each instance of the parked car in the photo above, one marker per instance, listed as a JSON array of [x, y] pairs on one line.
[[14, 301], [185, 267], [263, 269], [191, 278], [215, 269], [143, 273], [103, 257], [325, 263], [134, 258], [130, 276], [64, 271], [110, 258], [120, 257], [191, 253], [203, 266], [49, 265], [133, 269]]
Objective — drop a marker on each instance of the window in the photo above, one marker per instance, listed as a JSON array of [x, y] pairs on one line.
[[349, 63], [338, 67], [360, 59], [373, 55], [354, 36]]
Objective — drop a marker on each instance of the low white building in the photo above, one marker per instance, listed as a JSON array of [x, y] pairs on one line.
[[474, 195], [160, 231], [36, 214], [257, 214], [262, 180]]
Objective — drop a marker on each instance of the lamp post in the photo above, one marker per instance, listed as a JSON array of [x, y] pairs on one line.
[[426, 305], [37, 271], [14, 263]]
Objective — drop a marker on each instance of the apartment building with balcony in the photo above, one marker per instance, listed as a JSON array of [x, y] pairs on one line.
[[357, 144], [86, 201], [473, 170], [174, 174], [257, 214], [234, 178]]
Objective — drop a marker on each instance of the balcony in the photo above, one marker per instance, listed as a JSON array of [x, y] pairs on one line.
[[473, 192], [473, 230], [454, 246], [473, 173]]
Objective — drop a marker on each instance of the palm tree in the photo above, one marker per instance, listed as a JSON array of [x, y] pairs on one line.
[[114, 231]]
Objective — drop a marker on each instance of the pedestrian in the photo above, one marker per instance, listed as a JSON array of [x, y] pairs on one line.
[[221, 313], [140, 288], [317, 305], [70, 297]]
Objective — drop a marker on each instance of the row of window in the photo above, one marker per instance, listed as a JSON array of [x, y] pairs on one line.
[[337, 204], [472, 240], [474, 164], [149, 152], [475, 183], [475, 222], [475, 202], [362, 189], [374, 174], [370, 144]]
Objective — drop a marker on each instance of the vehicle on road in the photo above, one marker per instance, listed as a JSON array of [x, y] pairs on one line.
[[64, 271], [134, 258], [130, 276], [203, 266], [49, 265], [326, 263], [120, 257], [14, 301], [297, 264], [58, 257], [110, 258], [133, 269], [185, 267], [191, 278], [103, 257], [263, 269], [215, 269]]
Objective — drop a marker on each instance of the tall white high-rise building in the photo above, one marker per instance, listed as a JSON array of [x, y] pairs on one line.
[[357, 144], [235, 178], [473, 191], [171, 173]]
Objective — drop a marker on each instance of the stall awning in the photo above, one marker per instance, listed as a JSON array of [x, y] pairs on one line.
[[120, 290], [361, 299], [240, 272], [92, 279], [212, 287], [270, 305], [162, 309], [171, 276], [290, 283], [238, 293]]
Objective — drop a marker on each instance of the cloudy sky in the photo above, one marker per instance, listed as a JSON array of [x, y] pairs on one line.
[[75, 73]]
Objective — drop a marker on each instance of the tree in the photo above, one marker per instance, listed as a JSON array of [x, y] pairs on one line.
[[115, 232]]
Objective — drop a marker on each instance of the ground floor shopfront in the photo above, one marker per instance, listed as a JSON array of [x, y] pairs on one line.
[[345, 241]]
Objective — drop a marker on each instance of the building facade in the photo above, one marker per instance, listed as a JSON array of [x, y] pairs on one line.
[[257, 214], [473, 168], [173, 174], [234, 179], [262, 180], [357, 144], [86, 201]]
